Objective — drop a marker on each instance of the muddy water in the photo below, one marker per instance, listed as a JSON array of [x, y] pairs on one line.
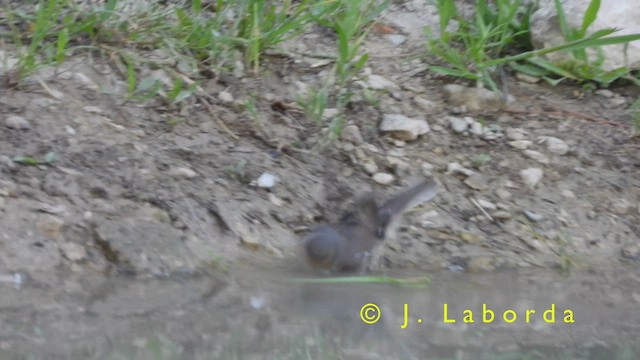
[[264, 315]]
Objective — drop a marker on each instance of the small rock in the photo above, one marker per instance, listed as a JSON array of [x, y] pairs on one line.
[[474, 99], [568, 194], [487, 205], [69, 130], [6, 162], [537, 156], [620, 206], [226, 97], [383, 178], [424, 104], [533, 216], [330, 113], [455, 168], [397, 164], [501, 215], [18, 123], [480, 264], [527, 78], [377, 82], [399, 143], [605, 93], [370, 167], [183, 173], [477, 182], [618, 100], [554, 145], [457, 124], [275, 200], [515, 134], [531, 176], [72, 251], [631, 252], [396, 39], [351, 133], [92, 109], [266, 180], [51, 226], [503, 194], [402, 127], [477, 128], [427, 168], [521, 144]]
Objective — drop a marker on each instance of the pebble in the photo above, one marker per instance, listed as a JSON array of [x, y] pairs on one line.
[[402, 127], [537, 156], [225, 97], [527, 78], [72, 251], [477, 128], [605, 93], [275, 200], [17, 122], [515, 134], [183, 173], [620, 206], [487, 205], [533, 216], [531, 176], [370, 167], [631, 252], [424, 104], [377, 82], [521, 144], [501, 214], [266, 180], [351, 133], [396, 39], [92, 109], [457, 124], [568, 194], [477, 182], [503, 194], [383, 178], [6, 161], [554, 145], [456, 168], [474, 99]]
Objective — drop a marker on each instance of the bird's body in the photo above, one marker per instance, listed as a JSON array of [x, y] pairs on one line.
[[348, 244]]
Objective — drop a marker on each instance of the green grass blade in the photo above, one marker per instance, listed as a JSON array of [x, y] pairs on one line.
[[590, 16]]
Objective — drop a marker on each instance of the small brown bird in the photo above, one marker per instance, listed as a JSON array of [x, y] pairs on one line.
[[348, 244]]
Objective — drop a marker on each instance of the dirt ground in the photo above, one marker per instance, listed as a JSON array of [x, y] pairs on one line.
[[143, 192]]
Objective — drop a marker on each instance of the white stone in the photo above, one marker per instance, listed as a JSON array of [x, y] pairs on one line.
[[554, 145], [266, 180], [515, 134], [537, 156], [18, 123], [457, 124], [402, 127], [383, 178], [455, 168], [377, 82], [531, 176], [351, 133], [182, 172], [623, 15], [521, 144]]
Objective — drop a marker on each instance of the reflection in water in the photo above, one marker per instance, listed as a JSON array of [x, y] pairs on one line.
[[269, 316]]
